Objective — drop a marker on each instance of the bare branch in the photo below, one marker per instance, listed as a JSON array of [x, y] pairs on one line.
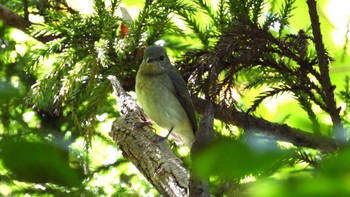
[[199, 187], [25, 8], [324, 70], [258, 125], [14, 20]]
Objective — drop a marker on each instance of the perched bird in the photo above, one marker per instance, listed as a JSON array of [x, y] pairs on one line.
[[163, 95]]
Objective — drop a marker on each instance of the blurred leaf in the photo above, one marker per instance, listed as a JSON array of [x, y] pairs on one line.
[[38, 162], [237, 159], [338, 165], [331, 179], [7, 91]]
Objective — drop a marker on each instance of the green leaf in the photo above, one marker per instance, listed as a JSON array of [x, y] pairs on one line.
[[7, 92], [38, 162], [237, 159]]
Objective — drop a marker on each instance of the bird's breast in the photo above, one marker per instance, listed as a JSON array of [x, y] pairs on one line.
[[157, 97]]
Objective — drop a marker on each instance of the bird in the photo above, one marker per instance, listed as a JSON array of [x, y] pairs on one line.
[[163, 95]]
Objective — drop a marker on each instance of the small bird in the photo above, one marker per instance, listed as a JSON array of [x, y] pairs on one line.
[[163, 95]]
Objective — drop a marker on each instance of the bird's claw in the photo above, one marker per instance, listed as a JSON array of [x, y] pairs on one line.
[[142, 124], [159, 139]]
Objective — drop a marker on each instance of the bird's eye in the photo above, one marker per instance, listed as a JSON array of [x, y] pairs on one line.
[[161, 58]]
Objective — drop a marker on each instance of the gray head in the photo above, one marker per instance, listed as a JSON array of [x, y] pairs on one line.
[[155, 54]]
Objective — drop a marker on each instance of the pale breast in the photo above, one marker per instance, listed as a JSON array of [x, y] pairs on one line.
[[156, 95]]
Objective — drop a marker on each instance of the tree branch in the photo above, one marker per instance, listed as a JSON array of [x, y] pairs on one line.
[[258, 125], [324, 70], [156, 161], [199, 187], [14, 20], [25, 8]]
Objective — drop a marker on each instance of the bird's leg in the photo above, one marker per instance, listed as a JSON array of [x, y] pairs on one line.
[[160, 138], [144, 123], [170, 130]]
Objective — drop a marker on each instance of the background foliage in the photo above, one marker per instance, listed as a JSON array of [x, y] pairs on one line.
[[256, 56]]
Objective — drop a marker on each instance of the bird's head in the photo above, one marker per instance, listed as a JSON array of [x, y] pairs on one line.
[[155, 60]]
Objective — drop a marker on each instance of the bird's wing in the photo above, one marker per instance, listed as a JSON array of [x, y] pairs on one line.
[[183, 95]]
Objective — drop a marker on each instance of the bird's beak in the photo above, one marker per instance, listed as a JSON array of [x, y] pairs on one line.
[[150, 60]]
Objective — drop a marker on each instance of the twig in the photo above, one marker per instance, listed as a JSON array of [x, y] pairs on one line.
[[25, 8], [324, 70]]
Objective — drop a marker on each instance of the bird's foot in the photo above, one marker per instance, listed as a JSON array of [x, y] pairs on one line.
[[158, 138], [142, 124]]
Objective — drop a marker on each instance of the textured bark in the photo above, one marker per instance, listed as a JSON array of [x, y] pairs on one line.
[[155, 160]]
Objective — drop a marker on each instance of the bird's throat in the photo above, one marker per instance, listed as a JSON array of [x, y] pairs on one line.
[[152, 69]]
